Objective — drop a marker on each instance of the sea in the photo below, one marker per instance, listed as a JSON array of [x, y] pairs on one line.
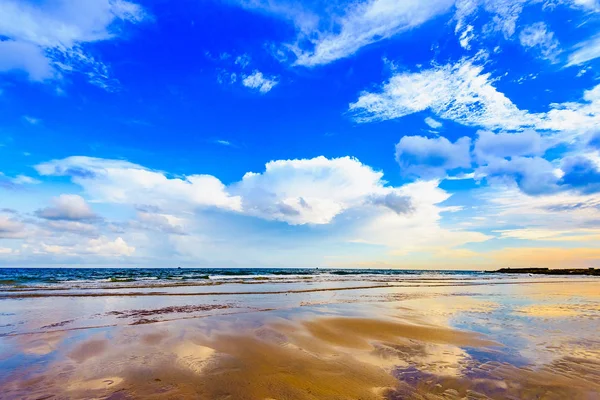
[[47, 277]]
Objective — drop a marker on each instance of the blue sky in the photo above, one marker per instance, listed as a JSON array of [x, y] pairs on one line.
[[394, 134]]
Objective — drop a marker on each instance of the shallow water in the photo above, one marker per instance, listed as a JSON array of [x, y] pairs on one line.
[[301, 336]]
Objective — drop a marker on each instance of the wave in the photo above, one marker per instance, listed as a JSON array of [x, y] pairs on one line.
[[86, 277]]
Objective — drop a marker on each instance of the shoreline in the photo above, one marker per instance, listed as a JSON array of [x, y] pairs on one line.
[[14, 294], [332, 343], [548, 271]]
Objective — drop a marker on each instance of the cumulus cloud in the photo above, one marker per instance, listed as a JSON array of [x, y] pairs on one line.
[[588, 5], [577, 173], [338, 200], [533, 175], [431, 158], [260, 82], [418, 230], [536, 36], [304, 191], [314, 191], [490, 145], [68, 207], [116, 181], [463, 93], [46, 39]]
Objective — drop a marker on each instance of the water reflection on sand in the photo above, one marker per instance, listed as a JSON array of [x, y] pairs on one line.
[[452, 340]]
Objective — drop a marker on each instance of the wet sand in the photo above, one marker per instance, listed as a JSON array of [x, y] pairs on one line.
[[365, 339]]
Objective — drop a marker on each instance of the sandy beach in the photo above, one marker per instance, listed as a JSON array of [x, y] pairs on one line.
[[304, 337]]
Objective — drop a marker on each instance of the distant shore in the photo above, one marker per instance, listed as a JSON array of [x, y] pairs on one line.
[[548, 271]]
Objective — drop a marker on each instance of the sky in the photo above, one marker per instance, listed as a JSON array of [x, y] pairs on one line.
[[413, 134]]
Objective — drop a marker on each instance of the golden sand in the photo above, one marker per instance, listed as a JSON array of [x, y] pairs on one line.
[[403, 350]]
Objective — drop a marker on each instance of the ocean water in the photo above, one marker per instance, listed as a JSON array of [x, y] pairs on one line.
[[23, 277]]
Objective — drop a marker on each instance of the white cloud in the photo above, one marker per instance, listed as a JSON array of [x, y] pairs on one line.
[[543, 234], [102, 246], [328, 32], [366, 23], [508, 208], [459, 92], [533, 175], [314, 191], [502, 15], [591, 5], [31, 120], [18, 180], [463, 93], [490, 145], [417, 231], [84, 227], [27, 57], [68, 207], [243, 60], [466, 36], [505, 15], [45, 39], [337, 201], [25, 180], [585, 51], [433, 124], [258, 81], [165, 223], [538, 37], [116, 181], [515, 158], [226, 77], [432, 158], [10, 228]]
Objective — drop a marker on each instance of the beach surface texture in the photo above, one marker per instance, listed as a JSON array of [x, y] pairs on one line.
[[297, 334]]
